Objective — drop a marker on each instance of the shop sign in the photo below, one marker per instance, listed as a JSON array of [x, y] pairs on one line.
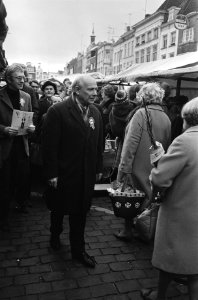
[[181, 22]]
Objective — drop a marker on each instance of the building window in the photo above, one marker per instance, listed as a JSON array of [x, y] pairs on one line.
[[171, 15], [173, 38], [132, 48], [156, 33], [154, 52], [137, 41], [137, 57], [120, 54], [142, 56], [164, 56], [125, 50], [148, 54], [129, 49], [164, 41], [188, 35], [143, 39], [149, 36], [172, 54]]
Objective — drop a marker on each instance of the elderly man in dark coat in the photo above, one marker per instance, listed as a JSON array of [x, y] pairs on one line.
[[72, 155]]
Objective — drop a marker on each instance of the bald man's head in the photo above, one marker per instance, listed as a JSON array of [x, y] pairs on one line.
[[84, 88]]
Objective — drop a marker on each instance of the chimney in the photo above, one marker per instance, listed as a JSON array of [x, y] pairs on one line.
[[128, 28], [147, 15]]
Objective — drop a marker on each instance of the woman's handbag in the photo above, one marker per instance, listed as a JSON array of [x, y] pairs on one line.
[[126, 202], [145, 223]]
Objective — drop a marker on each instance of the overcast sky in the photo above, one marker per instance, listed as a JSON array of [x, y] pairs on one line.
[[52, 32]]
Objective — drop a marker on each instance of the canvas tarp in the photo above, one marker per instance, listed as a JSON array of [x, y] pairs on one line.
[[184, 65]]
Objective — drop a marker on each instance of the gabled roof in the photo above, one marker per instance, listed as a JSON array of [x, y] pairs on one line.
[[169, 3], [186, 6], [190, 6]]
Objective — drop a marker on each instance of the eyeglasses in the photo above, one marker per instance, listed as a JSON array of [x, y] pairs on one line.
[[35, 86], [19, 78]]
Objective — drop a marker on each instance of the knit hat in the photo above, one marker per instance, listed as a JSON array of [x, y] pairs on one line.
[[121, 96], [108, 90]]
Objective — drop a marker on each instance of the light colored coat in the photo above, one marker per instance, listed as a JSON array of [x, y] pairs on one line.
[[176, 240], [6, 111], [135, 156]]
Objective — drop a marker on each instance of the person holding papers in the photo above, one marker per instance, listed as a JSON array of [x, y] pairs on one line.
[[14, 150]]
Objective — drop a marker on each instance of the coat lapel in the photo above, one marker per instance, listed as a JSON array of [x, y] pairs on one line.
[[76, 113], [4, 98]]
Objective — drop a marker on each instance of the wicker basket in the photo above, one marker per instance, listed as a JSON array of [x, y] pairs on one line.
[[126, 205]]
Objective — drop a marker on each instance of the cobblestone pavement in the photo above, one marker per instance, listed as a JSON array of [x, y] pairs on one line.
[[30, 270]]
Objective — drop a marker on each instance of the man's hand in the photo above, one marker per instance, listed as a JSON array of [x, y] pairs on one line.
[[53, 182], [11, 131], [31, 129]]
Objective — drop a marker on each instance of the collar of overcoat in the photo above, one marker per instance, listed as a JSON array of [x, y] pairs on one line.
[[192, 129], [154, 106], [5, 98], [75, 111]]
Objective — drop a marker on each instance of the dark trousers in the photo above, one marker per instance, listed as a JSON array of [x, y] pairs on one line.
[[14, 178], [77, 224]]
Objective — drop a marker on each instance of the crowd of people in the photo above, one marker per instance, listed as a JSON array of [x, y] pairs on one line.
[[66, 141]]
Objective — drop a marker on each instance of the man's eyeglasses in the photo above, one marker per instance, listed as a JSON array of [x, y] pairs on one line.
[[19, 78]]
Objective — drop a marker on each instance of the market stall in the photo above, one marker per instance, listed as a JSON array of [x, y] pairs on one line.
[[181, 72]]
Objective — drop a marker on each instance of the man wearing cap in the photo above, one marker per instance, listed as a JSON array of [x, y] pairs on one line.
[[72, 154]]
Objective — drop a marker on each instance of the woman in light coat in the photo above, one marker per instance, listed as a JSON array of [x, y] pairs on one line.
[[176, 240], [135, 157]]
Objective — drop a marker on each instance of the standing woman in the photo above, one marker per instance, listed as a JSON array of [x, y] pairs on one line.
[[176, 239], [135, 157]]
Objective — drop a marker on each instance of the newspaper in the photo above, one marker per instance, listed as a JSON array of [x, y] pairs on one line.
[[21, 120]]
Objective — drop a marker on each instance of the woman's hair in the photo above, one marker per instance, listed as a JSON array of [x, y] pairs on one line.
[[150, 93], [190, 112]]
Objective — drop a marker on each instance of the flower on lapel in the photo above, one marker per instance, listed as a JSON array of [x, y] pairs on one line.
[[92, 123], [22, 102]]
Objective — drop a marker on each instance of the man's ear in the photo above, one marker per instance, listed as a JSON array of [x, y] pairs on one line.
[[77, 89]]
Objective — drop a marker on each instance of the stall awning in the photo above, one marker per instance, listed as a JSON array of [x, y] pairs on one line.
[[180, 66]]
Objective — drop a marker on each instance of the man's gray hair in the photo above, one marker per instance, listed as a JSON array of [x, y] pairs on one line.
[[190, 112], [80, 80], [77, 82], [11, 69]]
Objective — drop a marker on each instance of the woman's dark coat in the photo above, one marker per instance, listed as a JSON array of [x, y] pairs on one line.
[[72, 151]]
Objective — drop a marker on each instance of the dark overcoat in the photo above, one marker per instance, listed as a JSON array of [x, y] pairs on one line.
[[72, 151], [6, 111]]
